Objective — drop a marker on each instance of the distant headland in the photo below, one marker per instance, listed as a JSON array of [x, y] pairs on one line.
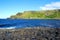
[[43, 14]]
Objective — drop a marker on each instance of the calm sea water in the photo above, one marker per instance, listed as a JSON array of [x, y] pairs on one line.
[[23, 23]]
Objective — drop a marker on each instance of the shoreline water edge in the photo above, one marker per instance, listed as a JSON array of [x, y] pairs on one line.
[[29, 29]]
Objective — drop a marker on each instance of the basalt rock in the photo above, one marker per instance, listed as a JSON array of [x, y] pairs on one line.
[[30, 34]]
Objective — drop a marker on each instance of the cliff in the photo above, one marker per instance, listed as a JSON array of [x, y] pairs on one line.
[[44, 14]]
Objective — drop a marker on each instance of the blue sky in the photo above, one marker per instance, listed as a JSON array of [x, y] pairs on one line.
[[11, 7]]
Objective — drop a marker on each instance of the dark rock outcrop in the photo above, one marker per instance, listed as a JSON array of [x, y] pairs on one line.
[[30, 34]]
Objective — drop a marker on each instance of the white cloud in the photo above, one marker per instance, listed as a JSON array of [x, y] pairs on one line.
[[51, 6]]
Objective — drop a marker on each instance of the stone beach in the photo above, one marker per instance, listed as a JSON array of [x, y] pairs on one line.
[[40, 33]]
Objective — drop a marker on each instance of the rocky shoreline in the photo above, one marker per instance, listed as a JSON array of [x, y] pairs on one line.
[[40, 33]]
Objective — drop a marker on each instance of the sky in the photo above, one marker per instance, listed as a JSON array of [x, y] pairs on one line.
[[11, 7]]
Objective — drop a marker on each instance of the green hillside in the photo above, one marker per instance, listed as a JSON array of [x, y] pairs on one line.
[[55, 14]]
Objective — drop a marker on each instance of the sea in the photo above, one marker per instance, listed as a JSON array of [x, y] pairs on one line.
[[28, 23]]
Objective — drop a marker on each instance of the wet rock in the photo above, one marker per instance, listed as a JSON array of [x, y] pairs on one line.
[[30, 34]]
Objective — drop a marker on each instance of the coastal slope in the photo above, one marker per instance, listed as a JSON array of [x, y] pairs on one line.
[[43, 14]]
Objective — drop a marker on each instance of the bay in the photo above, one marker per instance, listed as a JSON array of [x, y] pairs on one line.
[[23, 23]]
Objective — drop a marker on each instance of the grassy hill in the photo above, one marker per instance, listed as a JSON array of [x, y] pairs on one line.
[[44, 14]]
